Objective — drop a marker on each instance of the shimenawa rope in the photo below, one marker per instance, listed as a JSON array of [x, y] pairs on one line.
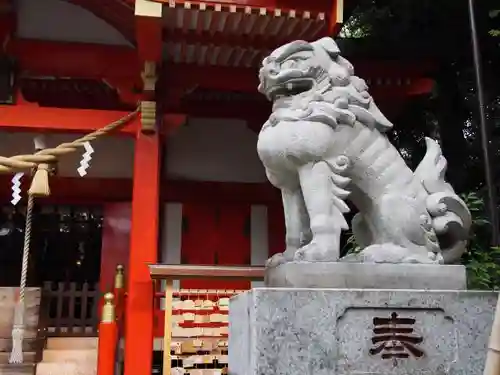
[[42, 158], [40, 161]]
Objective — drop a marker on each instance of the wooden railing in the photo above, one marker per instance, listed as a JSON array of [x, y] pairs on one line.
[[196, 321], [70, 309]]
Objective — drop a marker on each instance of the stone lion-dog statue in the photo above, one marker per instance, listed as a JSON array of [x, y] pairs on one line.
[[325, 143]]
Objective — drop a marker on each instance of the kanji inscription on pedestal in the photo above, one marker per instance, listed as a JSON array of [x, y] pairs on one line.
[[394, 338]]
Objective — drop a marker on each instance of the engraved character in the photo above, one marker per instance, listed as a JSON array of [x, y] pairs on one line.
[[394, 338]]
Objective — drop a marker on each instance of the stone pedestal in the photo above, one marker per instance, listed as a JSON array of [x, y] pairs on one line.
[[367, 276], [359, 331]]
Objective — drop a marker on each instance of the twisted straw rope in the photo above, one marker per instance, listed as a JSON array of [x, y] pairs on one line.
[[49, 155], [16, 355], [26, 248]]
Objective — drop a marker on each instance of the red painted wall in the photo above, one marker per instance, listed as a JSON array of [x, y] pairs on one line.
[[115, 242], [69, 190], [199, 242], [234, 240], [216, 234], [204, 240]]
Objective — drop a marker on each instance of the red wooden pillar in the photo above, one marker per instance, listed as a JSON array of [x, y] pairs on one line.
[[143, 251]]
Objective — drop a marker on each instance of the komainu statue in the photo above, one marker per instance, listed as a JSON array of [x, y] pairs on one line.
[[325, 143]]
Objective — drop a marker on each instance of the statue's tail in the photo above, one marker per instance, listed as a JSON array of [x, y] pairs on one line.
[[451, 219]]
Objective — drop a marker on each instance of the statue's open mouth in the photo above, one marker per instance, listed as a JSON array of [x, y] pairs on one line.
[[291, 87]]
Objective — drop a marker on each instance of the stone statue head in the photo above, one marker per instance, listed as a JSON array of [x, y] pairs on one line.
[[317, 72]]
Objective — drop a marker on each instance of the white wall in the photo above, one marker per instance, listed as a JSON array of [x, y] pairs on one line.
[[259, 238], [170, 239], [214, 150], [204, 150], [62, 21]]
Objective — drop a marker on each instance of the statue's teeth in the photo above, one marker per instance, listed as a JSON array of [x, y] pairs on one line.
[[289, 86]]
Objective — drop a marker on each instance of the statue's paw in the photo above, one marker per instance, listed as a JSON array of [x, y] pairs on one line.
[[314, 252], [276, 260], [435, 257], [391, 253]]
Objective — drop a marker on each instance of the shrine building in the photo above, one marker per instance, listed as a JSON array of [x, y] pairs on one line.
[[181, 182]]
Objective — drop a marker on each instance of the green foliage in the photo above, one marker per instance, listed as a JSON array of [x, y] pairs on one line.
[[361, 23], [482, 270], [350, 247], [481, 260], [439, 31], [494, 14]]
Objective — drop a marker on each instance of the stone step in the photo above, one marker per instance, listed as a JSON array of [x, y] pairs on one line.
[[71, 343], [29, 345], [23, 369], [69, 355], [28, 357], [52, 368]]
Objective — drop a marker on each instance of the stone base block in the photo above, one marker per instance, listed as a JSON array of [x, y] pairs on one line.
[[359, 332], [367, 276], [68, 368]]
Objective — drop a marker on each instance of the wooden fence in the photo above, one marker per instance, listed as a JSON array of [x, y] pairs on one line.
[[70, 309]]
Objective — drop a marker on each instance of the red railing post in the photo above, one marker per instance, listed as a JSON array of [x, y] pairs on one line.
[[108, 335], [119, 293]]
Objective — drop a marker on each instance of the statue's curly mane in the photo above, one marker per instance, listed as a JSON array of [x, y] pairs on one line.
[[337, 96]]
